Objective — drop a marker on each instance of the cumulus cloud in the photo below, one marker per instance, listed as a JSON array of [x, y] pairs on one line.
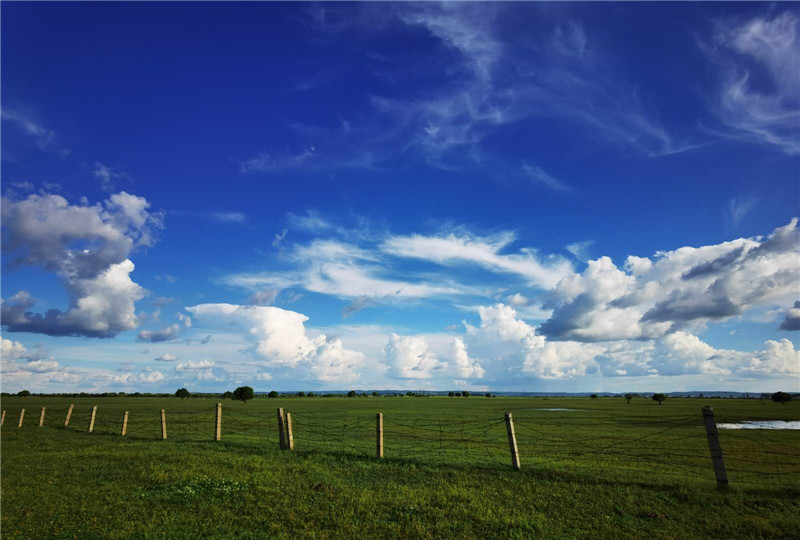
[[88, 247], [281, 340], [408, 357], [507, 345], [792, 319], [680, 290], [166, 357], [463, 366]]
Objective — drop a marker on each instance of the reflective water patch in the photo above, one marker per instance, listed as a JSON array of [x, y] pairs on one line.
[[762, 424]]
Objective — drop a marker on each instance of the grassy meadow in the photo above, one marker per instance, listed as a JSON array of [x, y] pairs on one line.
[[602, 468]]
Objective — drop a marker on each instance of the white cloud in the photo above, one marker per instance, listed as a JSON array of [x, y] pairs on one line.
[[758, 61], [228, 217], [408, 358], [462, 365], [580, 250], [107, 177], [540, 176], [683, 289], [87, 246], [281, 340], [166, 357], [464, 248], [157, 336]]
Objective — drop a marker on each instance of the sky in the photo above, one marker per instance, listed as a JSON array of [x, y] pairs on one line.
[[536, 197]]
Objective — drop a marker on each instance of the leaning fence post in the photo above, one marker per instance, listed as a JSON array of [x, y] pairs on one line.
[[281, 436], [163, 425], [289, 436], [41, 418], [3, 418], [69, 414], [21, 418], [124, 423], [218, 423], [512, 442], [715, 448], [379, 433], [91, 418]]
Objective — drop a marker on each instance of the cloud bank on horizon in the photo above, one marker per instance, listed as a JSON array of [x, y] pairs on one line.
[[444, 198]]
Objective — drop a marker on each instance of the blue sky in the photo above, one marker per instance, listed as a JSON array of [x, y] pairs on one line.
[[506, 196]]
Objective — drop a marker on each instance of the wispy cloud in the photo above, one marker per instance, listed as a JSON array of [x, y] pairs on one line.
[[44, 138], [759, 72]]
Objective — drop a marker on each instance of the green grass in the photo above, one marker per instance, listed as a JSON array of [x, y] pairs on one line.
[[611, 470]]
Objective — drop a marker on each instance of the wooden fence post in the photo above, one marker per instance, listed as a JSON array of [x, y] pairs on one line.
[[69, 414], [379, 433], [281, 425], [715, 448], [91, 418], [218, 423], [163, 425], [512, 442], [41, 418], [289, 436], [3, 418], [21, 418], [124, 423]]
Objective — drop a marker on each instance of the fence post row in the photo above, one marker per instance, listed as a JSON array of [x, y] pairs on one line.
[[281, 425], [512, 442], [3, 418], [716, 450], [91, 418], [163, 425], [379, 433], [124, 423], [69, 414], [289, 437], [218, 423], [41, 418], [21, 418]]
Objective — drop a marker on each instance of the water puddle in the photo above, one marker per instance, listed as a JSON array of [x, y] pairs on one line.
[[762, 424]]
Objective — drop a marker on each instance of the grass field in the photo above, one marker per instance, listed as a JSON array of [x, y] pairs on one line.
[[600, 469]]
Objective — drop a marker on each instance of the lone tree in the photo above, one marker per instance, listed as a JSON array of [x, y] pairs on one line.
[[272, 395], [243, 393], [593, 396], [781, 397], [182, 393], [465, 393], [351, 393], [23, 393], [659, 398], [451, 394], [629, 397]]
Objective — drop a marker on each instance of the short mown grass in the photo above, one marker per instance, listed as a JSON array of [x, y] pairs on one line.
[[65, 483]]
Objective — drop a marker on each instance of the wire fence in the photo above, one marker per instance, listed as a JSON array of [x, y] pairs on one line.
[[603, 447]]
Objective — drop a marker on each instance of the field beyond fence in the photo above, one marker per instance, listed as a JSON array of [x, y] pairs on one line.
[[605, 439]]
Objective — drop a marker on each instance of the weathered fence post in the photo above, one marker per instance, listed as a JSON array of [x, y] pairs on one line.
[[91, 418], [41, 418], [512, 442], [281, 425], [218, 423], [715, 448], [21, 418], [69, 414], [124, 423], [3, 418], [289, 436], [379, 433], [163, 425]]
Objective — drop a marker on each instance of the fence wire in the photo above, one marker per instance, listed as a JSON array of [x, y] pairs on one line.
[[603, 447]]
